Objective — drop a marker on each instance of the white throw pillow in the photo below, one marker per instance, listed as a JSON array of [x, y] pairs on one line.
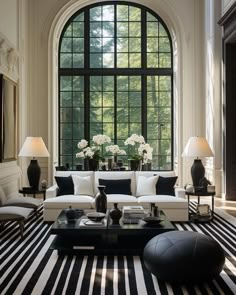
[[82, 185], [146, 185]]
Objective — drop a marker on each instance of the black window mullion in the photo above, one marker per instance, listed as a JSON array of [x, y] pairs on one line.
[[86, 107], [115, 36], [144, 76], [144, 39], [115, 109], [86, 76], [115, 77], [144, 106]]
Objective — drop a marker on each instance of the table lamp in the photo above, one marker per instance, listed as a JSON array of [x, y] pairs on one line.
[[197, 147], [34, 147]]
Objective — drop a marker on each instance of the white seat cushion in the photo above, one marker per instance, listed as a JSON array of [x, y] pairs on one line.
[[12, 212], [122, 200], [75, 201], [163, 201], [26, 202]]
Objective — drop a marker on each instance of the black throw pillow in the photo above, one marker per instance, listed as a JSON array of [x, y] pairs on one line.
[[65, 185], [116, 186], [165, 185]]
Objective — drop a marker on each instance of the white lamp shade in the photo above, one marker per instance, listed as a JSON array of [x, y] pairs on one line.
[[197, 147], [34, 147]]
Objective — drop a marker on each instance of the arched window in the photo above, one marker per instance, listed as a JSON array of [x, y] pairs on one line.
[[116, 78]]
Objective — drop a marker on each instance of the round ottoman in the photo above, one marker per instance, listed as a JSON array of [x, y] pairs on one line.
[[183, 257]]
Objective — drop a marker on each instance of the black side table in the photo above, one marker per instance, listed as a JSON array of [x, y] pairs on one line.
[[202, 194], [33, 192]]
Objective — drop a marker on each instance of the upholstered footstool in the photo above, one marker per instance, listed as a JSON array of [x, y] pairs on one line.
[[11, 213], [183, 257]]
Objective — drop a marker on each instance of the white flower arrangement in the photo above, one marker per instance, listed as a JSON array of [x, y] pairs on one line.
[[94, 151], [141, 149], [115, 150], [145, 151], [82, 144], [86, 153], [101, 139], [133, 139]]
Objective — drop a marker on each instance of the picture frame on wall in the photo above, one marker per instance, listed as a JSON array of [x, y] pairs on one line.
[[8, 119]]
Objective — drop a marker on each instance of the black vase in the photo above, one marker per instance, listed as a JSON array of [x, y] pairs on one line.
[[115, 214], [135, 165], [70, 214], [101, 200], [91, 164]]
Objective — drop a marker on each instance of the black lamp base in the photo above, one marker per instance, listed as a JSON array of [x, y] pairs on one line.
[[197, 172], [33, 173]]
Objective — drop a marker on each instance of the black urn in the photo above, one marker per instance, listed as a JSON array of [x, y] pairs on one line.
[[101, 200], [115, 214], [70, 214]]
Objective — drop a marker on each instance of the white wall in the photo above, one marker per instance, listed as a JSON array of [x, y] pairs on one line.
[[9, 20], [9, 36], [213, 53]]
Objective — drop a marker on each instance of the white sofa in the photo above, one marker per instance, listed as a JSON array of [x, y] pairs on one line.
[[175, 207]]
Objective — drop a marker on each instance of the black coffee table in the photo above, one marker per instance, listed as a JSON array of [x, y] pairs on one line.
[[77, 238]]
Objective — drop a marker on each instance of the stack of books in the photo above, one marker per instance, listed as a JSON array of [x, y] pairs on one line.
[[132, 214]]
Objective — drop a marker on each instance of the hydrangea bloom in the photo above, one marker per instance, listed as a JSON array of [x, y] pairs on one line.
[[115, 150], [82, 144], [133, 139], [101, 139], [139, 150]]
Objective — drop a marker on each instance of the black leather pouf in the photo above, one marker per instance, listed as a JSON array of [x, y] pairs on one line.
[[183, 257]]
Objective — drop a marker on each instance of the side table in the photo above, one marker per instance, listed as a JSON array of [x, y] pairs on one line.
[[33, 192], [202, 194]]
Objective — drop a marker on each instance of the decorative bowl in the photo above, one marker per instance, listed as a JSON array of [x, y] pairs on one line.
[[96, 216], [152, 220]]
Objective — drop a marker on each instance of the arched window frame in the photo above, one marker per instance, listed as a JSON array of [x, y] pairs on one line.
[[143, 72]]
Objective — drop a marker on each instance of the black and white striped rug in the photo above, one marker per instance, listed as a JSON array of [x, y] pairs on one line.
[[29, 267]]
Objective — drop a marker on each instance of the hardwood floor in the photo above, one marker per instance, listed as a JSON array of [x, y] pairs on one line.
[[227, 206]]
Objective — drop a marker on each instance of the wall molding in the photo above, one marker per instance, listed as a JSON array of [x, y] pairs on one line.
[[9, 59]]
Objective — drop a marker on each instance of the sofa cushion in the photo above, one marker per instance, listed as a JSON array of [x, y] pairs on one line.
[[115, 175], [165, 185], [65, 185], [83, 185], [146, 185], [12, 212], [163, 201], [75, 201], [122, 200], [116, 186]]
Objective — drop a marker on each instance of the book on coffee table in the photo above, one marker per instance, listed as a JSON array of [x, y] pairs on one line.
[[133, 209], [132, 214]]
